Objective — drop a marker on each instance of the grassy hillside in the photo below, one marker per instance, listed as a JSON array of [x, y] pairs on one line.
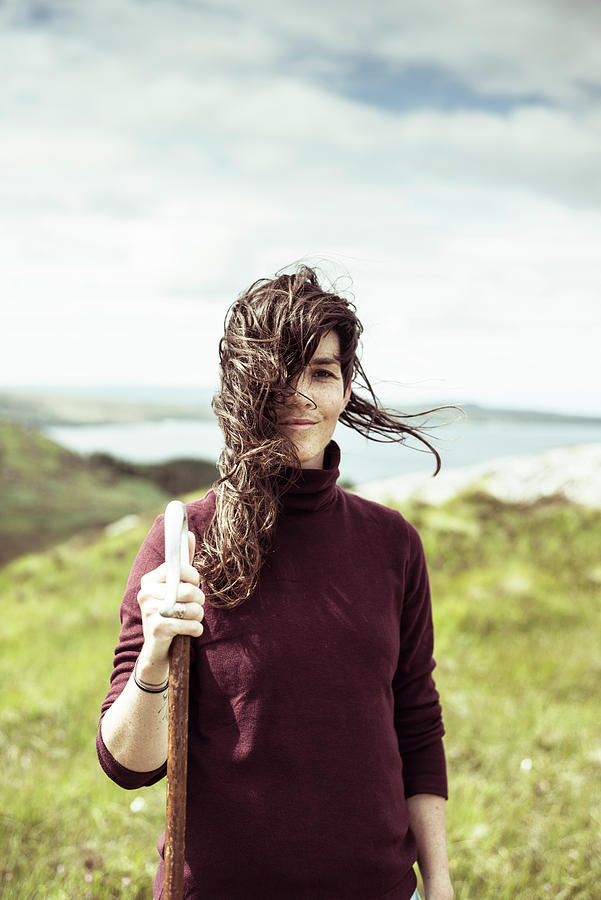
[[517, 595], [49, 493]]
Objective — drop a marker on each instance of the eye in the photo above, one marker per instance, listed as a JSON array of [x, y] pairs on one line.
[[323, 373]]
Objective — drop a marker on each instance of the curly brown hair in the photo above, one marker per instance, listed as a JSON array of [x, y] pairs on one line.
[[271, 333]]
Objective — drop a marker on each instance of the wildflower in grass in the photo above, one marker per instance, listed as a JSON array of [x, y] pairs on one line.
[[479, 831], [88, 877], [526, 765], [60, 869], [137, 804]]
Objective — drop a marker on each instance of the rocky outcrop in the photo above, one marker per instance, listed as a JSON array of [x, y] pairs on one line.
[[572, 472]]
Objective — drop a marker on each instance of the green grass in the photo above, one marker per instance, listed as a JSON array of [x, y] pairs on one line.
[[516, 593], [49, 493], [67, 831]]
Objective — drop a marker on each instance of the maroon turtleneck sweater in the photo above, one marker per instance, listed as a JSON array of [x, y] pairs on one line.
[[313, 712]]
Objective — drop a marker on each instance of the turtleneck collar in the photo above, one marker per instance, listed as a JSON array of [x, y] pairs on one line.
[[314, 488]]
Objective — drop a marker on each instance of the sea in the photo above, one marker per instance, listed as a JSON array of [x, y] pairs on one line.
[[460, 443]]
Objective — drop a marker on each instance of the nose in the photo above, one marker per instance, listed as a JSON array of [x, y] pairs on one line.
[[299, 394]]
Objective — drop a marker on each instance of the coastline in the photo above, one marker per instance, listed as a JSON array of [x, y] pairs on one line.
[[572, 472]]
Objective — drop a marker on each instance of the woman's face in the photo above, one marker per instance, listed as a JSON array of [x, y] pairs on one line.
[[309, 415]]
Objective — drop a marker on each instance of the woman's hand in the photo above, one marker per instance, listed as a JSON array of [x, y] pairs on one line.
[[159, 631], [135, 727]]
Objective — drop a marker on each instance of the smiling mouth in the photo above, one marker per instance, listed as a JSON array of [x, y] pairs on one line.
[[298, 423]]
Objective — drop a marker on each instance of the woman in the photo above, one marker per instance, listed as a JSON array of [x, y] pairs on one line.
[[316, 766]]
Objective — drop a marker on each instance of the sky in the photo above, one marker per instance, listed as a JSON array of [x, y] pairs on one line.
[[438, 162]]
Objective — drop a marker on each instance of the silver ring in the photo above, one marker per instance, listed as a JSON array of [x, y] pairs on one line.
[[179, 611]]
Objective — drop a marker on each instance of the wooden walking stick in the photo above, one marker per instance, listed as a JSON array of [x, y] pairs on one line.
[[176, 552]]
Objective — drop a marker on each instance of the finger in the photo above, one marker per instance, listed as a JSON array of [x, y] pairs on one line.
[[189, 574], [152, 598], [191, 545], [164, 629], [190, 610], [156, 575], [152, 590], [189, 593]]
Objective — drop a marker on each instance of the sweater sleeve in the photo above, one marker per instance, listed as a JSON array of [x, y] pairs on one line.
[[131, 638], [417, 711]]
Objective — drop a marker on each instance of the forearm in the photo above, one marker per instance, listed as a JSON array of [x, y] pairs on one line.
[[134, 729], [427, 816]]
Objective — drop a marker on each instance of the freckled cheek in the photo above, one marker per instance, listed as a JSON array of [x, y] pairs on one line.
[[333, 404], [333, 408], [328, 397]]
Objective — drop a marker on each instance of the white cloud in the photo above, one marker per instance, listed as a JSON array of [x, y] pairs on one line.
[[160, 157], [543, 46]]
